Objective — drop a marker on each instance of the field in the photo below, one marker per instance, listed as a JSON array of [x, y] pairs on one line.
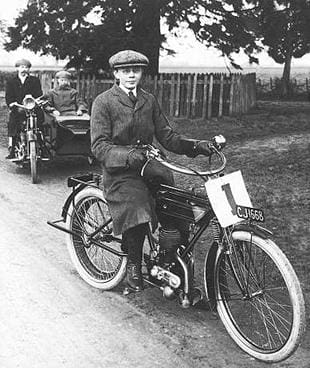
[[271, 145]]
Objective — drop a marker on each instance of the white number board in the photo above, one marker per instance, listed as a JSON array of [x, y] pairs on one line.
[[225, 193]]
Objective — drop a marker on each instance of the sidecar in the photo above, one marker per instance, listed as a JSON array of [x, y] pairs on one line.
[[68, 135]]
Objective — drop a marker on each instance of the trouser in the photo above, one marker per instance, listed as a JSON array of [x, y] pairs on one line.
[[132, 242], [133, 238]]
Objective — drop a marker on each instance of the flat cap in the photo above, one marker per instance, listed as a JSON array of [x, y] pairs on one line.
[[126, 58], [23, 62], [63, 74]]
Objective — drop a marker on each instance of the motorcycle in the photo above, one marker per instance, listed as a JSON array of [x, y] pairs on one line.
[[247, 278], [58, 136], [29, 143]]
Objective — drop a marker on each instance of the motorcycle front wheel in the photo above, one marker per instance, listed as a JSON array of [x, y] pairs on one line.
[[259, 297], [89, 213], [33, 161]]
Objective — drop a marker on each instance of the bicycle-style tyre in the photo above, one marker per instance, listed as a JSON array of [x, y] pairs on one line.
[[97, 266], [33, 161], [259, 297]]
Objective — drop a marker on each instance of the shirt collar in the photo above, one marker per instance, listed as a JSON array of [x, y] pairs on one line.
[[22, 78], [126, 90]]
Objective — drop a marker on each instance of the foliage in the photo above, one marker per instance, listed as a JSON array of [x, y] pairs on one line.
[[284, 27], [65, 29], [284, 30], [2, 31]]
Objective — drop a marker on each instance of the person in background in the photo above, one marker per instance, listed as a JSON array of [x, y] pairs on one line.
[[63, 99], [17, 88], [121, 117]]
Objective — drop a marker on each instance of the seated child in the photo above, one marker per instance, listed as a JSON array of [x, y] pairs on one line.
[[63, 99]]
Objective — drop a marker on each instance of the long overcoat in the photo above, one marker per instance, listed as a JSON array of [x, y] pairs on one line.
[[116, 125], [15, 92]]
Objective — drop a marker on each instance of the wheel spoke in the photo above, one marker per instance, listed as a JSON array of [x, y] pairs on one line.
[[87, 217], [253, 295]]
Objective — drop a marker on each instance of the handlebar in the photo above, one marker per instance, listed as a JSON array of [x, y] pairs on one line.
[[155, 153], [29, 103]]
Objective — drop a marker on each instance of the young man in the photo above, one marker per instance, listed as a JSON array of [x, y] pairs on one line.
[[120, 117], [16, 89], [63, 99]]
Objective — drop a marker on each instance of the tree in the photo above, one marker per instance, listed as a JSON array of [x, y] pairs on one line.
[[284, 30], [2, 31], [64, 29]]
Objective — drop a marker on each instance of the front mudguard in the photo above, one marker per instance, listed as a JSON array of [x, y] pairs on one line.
[[213, 257], [31, 136]]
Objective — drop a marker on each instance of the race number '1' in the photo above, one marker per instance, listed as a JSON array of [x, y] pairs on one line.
[[224, 194], [230, 198]]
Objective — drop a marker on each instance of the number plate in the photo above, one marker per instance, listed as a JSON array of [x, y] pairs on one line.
[[249, 213]]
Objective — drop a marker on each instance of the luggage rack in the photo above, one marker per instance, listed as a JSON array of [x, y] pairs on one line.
[[77, 183]]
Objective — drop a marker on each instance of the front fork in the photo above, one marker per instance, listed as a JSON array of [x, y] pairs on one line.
[[222, 242]]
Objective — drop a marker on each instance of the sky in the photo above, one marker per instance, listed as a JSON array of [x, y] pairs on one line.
[[189, 52]]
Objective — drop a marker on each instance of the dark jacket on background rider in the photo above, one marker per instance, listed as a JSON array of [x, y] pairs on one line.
[[116, 125], [15, 92]]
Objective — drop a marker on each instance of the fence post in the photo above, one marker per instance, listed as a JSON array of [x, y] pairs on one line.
[[231, 94], [88, 89], [171, 111], [155, 85], [221, 95], [177, 98], [160, 89], [46, 81], [188, 96], [210, 96], [205, 96], [193, 109]]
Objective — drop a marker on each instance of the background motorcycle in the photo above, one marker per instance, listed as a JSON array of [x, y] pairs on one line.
[[29, 146]]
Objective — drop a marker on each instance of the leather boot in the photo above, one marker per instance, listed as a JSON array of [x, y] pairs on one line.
[[11, 153], [133, 240], [134, 276]]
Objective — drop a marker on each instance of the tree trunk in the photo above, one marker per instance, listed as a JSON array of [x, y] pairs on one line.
[[285, 83], [146, 29]]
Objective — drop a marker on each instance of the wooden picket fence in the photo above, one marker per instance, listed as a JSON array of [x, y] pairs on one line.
[[181, 95]]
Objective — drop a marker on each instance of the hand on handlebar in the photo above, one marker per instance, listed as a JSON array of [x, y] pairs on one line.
[[136, 158], [203, 148], [207, 148]]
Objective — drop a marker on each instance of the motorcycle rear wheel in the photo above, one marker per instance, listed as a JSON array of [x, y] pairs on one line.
[[98, 267], [33, 161], [259, 298]]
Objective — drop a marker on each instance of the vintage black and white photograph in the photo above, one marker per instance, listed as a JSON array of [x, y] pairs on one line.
[[155, 183]]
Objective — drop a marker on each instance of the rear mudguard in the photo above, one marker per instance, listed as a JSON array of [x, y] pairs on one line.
[[213, 256], [78, 183], [68, 201]]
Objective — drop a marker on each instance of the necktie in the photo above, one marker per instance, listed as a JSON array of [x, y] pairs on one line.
[[132, 97]]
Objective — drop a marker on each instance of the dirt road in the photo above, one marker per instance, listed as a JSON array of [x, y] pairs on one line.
[[50, 318]]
